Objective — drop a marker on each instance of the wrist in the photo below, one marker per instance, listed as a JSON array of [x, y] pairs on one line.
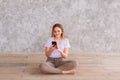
[[60, 50]]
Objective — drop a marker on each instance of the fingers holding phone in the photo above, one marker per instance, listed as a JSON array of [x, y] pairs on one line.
[[54, 44]]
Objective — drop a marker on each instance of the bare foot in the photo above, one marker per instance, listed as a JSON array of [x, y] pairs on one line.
[[69, 72]]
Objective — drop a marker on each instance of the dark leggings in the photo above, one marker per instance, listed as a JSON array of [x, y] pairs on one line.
[[57, 65]]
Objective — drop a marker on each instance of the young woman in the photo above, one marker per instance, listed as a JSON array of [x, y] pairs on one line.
[[56, 49]]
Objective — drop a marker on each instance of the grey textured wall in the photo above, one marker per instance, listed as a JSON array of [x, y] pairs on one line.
[[91, 25]]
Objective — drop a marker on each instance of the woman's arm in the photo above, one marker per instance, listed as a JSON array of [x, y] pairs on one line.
[[64, 53], [49, 50]]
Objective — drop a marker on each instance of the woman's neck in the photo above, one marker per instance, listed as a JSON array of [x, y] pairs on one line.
[[57, 38]]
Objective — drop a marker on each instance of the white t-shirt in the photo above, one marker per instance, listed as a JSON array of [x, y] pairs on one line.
[[64, 44]]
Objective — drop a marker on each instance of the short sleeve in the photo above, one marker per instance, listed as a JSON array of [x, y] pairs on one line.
[[48, 43], [67, 44]]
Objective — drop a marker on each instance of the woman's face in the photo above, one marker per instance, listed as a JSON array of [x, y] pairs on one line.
[[57, 32]]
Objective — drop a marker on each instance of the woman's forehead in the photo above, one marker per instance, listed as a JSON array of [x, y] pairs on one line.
[[57, 28]]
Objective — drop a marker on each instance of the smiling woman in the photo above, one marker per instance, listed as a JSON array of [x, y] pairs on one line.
[[56, 51], [57, 31]]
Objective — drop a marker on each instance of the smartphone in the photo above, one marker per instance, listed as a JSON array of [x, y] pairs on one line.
[[54, 43]]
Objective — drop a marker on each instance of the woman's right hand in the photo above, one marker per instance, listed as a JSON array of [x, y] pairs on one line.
[[49, 50], [52, 48]]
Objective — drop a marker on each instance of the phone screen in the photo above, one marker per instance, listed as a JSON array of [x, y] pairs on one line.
[[54, 43]]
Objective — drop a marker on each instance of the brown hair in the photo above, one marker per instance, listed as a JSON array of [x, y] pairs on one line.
[[59, 26]]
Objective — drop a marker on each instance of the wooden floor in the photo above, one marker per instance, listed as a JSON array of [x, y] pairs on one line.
[[24, 66]]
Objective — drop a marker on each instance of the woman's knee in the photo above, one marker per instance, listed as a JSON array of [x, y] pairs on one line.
[[73, 63], [42, 67]]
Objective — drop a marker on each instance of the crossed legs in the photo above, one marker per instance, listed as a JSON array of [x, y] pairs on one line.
[[66, 67]]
